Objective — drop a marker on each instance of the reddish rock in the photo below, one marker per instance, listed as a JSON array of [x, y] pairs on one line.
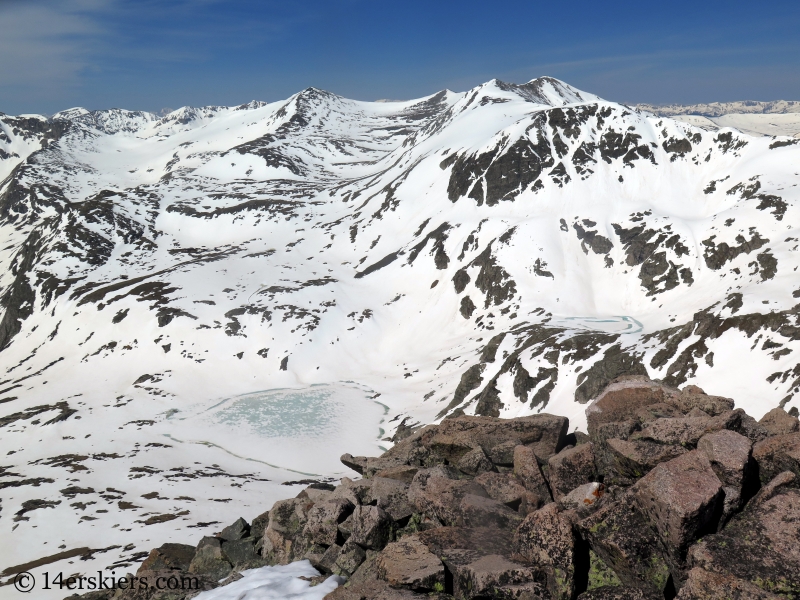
[[283, 540], [451, 445], [621, 400], [529, 473], [759, 545], [403, 473], [682, 499], [482, 577], [314, 493], [779, 422], [409, 563], [730, 456], [392, 496], [777, 454], [704, 585], [324, 518], [692, 397], [740, 422], [438, 492], [503, 487], [479, 511], [169, 557], [633, 459], [682, 431], [660, 410], [603, 455], [571, 468], [608, 592], [377, 589], [474, 462], [371, 527], [503, 454], [620, 535], [781, 481], [545, 538], [544, 433], [473, 556], [468, 542], [357, 492]]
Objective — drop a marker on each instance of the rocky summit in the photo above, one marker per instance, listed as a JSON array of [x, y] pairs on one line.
[[672, 494], [197, 308]]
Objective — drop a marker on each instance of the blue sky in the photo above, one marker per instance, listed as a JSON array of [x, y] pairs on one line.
[[151, 55]]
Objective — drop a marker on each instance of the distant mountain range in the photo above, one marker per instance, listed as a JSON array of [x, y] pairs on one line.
[[718, 109]]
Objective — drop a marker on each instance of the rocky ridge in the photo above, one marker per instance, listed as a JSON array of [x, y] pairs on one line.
[[672, 494]]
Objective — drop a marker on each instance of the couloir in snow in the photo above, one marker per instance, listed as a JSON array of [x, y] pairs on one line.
[[201, 307]]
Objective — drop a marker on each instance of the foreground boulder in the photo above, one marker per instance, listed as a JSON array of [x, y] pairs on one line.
[[674, 493]]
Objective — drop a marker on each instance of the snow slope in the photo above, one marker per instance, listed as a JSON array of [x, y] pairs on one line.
[[202, 307]]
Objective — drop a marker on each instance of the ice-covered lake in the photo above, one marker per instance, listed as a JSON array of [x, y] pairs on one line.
[[302, 430]]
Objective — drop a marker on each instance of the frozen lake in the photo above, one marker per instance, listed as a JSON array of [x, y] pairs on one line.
[[301, 430]]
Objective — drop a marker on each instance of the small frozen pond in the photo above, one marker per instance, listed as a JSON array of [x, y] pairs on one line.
[[303, 430], [613, 324]]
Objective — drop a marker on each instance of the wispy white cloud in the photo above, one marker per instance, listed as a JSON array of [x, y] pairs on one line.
[[46, 45]]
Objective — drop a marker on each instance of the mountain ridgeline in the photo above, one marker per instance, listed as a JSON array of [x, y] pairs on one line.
[[518, 245]]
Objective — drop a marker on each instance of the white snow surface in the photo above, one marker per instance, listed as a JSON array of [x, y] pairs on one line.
[[281, 582], [203, 307]]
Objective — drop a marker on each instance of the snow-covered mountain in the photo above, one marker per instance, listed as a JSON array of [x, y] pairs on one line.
[[719, 109], [780, 117], [201, 307]]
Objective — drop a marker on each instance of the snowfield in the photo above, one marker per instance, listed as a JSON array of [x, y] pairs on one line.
[[201, 309]]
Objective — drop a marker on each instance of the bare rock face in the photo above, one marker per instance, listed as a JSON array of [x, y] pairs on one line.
[[787, 479], [349, 558], [621, 400], [410, 564], [371, 527], [674, 493], [692, 397], [705, 585], [682, 431], [437, 492], [570, 468], [631, 460], [322, 525], [479, 511], [506, 488], [176, 557], [777, 454], [529, 473], [282, 540], [392, 496], [759, 546], [609, 592], [208, 559], [730, 456], [779, 422], [619, 533], [682, 499], [546, 539]]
